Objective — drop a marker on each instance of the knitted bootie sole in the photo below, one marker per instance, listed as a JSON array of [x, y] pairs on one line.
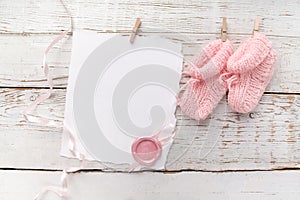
[[244, 94], [205, 89]]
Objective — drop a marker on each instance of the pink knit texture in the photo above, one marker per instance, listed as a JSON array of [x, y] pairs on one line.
[[205, 89], [251, 67]]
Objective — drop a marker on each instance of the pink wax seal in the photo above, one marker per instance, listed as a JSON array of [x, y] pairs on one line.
[[146, 150]]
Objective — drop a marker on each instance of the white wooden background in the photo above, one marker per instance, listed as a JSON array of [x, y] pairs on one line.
[[255, 157]]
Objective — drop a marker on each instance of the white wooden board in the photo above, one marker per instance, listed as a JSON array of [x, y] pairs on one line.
[[269, 141], [22, 66], [279, 18], [185, 185]]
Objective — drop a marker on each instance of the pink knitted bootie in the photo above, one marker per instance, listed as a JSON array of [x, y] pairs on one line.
[[205, 89], [251, 67]]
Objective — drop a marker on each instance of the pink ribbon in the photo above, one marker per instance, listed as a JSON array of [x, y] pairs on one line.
[[43, 97], [60, 191]]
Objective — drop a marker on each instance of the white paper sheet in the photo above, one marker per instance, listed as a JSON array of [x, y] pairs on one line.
[[118, 92]]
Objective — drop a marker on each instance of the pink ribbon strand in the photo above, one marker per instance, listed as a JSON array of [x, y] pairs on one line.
[[28, 110], [27, 113]]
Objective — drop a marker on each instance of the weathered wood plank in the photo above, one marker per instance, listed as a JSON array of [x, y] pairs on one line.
[[279, 17], [185, 185], [21, 59], [268, 140]]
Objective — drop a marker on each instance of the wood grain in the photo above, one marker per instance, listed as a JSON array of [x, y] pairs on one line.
[[186, 185], [269, 139], [278, 17], [21, 60]]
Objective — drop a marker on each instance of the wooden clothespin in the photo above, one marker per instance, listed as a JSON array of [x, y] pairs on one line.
[[256, 25], [134, 30], [224, 30]]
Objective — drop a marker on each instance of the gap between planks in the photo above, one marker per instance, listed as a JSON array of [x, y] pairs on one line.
[[144, 32], [64, 88], [155, 171]]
